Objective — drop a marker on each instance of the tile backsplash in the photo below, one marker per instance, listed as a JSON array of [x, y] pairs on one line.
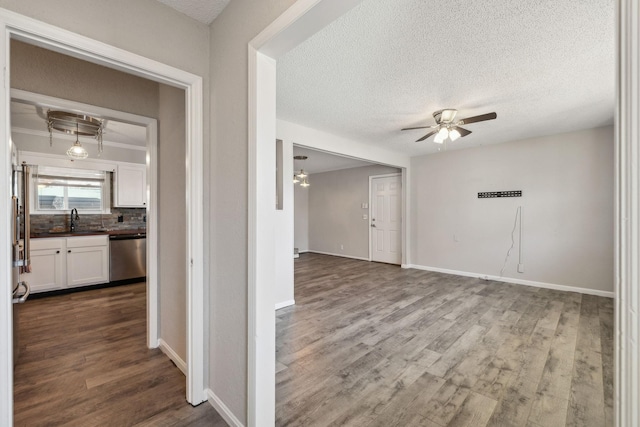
[[133, 218]]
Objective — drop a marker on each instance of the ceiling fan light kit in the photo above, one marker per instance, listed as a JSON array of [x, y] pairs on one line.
[[302, 175], [447, 128]]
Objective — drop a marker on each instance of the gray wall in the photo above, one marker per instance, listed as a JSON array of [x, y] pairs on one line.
[[172, 224], [231, 32], [567, 185], [301, 218], [155, 31], [335, 213]]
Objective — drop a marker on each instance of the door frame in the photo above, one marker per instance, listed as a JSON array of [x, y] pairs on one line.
[[16, 26], [402, 194]]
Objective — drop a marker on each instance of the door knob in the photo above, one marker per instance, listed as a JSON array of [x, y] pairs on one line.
[[373, 225]]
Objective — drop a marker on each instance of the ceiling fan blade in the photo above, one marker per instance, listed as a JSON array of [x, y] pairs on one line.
[[463, 132], [427, 136], [480, 118], [421, 127]]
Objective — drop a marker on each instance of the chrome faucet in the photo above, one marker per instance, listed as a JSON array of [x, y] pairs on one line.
[[74, 218]]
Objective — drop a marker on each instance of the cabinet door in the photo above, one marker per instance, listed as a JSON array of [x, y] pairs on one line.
[[47, 270], [87, 265], [131, 186]]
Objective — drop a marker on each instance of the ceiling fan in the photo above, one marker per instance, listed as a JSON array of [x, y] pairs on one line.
[[447, 127]]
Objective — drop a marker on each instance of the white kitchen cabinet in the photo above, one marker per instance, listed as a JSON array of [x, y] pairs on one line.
[[130, 186], [48, 269], [87, 260], [60, 263]]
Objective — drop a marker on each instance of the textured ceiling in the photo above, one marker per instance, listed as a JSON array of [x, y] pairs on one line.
[[204, 11], [544, 66]]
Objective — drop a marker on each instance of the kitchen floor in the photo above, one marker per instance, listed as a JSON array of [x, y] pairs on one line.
[[84, 362]]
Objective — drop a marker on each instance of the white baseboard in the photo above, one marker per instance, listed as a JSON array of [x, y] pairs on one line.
[[223, 410], [284, 304], [303, 251], [166, 349], [516, 281], [340, 255]]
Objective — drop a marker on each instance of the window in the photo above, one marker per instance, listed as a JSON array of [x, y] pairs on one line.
[[62, 189]]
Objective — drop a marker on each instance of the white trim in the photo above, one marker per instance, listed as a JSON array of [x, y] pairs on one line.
[[171, 354], [284, 304], [515, 281], [59, 160], [361, 258], [627, 217], [402, 212], [35, 32], [223, 410]]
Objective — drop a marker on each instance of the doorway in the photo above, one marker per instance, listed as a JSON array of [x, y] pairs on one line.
[[53, 38], [385, 236]]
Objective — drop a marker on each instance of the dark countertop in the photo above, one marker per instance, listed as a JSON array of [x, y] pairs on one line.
[[137, 231]]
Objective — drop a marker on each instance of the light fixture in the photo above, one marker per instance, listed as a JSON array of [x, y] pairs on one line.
[[443, 134], [77, 151], [454, 134], [302, 175], [75, 124]]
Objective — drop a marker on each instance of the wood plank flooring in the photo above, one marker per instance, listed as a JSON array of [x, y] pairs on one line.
[[84, 362], [371, 344]]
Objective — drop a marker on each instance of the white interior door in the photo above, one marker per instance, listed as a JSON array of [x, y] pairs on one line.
[[386, 219]]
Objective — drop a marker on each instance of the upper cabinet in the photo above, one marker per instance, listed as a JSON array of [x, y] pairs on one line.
[[130, 186]]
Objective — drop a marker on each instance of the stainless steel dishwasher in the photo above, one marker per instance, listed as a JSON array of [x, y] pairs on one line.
[[127, 257]]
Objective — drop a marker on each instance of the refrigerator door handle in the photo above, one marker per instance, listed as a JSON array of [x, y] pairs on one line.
[[26, 172], [24, 296]]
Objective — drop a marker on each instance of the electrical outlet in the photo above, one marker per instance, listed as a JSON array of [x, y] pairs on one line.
[[120, 218], [342, 247], [521, 268]]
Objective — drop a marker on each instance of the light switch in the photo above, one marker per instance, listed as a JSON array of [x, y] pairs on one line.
[[365, 206], [365, 216]]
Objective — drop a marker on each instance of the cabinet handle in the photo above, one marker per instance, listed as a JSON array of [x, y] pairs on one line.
[[57, 252], [69, 251]]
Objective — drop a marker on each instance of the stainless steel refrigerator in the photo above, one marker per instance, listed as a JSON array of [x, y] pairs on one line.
[[20, 242]]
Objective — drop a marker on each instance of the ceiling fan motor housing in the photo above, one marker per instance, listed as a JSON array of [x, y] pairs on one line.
[[445, 116]]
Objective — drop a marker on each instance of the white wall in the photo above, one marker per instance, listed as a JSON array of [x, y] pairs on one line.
[[567, 185], [301, 218], [336, 225]]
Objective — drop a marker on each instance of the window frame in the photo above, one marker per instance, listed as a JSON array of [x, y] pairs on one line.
[[51, 171]]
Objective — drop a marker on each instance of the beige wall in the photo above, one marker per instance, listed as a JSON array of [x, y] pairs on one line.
[[335, 210], [172, 224], [230, 34], [50, 73], [567, 185]]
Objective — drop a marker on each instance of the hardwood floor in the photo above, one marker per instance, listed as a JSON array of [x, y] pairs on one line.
[[84, 362], [371, 344]]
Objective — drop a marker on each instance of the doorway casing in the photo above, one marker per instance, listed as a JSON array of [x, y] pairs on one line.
[[19, 27]]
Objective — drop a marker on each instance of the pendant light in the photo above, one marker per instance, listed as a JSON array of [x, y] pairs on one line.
[[301, 176], [77, 151]]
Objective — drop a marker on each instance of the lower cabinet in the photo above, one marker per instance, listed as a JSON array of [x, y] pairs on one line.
[[59, 263], [48, 266]]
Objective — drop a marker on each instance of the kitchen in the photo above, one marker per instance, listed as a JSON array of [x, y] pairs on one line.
[[63, 260]]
